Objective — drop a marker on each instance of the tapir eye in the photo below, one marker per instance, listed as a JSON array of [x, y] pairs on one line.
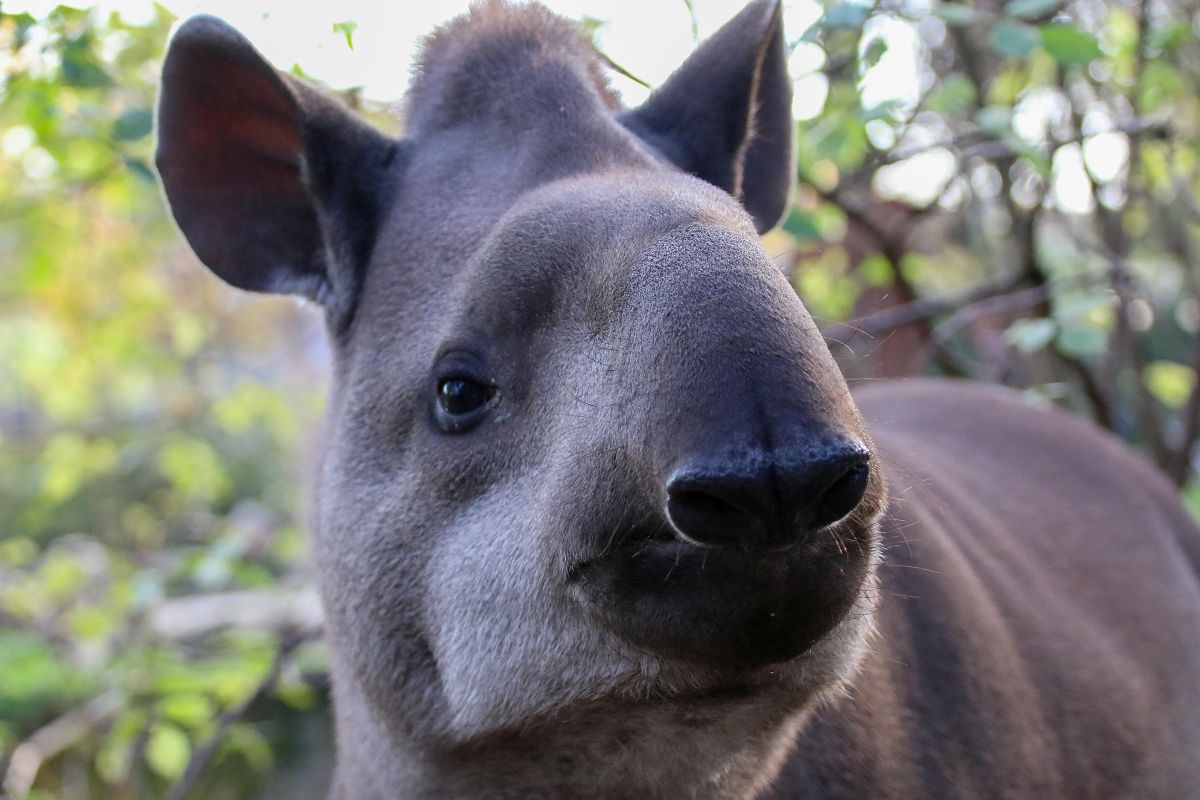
[[462, 395], [462, 402]]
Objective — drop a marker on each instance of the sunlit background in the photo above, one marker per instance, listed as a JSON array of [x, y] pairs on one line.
[[372, 46], [1001, 192]]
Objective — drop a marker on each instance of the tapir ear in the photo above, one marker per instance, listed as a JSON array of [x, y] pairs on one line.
[[726, 114], [277, 187]]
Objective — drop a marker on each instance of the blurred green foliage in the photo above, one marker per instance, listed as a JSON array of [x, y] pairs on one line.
[[154, 425], [149, 438], [1034, 174]]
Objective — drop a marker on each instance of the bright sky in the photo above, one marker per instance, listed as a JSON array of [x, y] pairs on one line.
[[648, 37]]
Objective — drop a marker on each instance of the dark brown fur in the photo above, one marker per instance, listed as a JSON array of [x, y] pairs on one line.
[[1038, 627]]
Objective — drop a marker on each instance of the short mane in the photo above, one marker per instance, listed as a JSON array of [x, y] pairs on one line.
[[484, 61]]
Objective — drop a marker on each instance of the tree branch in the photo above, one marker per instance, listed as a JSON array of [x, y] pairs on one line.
[[1181, 465], [53, 738], [277, 610], [918, 311]]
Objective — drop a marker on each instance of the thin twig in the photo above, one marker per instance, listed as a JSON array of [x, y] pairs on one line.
[[691, 7], [917, 311], [993, 149], [1182, 466], [1179, 241], [1102, 409], [5, 762], [613, 65], [1012, 301]]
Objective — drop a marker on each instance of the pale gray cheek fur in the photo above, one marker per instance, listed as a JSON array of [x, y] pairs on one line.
[[510, 647]]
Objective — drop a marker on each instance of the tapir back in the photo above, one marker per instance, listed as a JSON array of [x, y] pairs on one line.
[[1039, 619]]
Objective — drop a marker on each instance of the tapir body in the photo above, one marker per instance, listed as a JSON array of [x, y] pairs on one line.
[[597, 515]]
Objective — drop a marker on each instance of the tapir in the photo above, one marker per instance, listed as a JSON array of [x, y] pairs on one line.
[[596, 514]]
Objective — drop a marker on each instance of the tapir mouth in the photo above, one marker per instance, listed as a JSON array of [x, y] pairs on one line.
[[628, 543], [720, 608]]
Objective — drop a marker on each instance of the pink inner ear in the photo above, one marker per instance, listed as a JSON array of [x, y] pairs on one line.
[[241, 118], [231, 149]]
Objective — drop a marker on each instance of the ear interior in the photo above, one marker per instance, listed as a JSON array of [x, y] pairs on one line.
[[725, 114], [237, 160]]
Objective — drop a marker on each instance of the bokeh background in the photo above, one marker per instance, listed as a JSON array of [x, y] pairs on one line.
[[997, 191]]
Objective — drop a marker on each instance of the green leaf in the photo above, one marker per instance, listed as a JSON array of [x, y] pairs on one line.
[[840, 138], [193, 467], [38, 682], [846, 15], [69, 461], [296, 693], [1032, 155], [1091, 308], [812, 34], [189, 709], [347, 29], [25, 22], [167, 750], [886, 111], [133, 124], [141, 169], [956, 14], [1083, 341], [954, 96], [1008, 84], [1015, 39], [1170, 382], [1172, 36], [17, 551], [1031, 9], [1084, 321], [875, 51], [1031, 335], [1161, 85], [1191, 498], [251, 745], [91, 622], [113, 759], [801, 225], [1069, 45], [995, 120], [80, 70], [877, 270]]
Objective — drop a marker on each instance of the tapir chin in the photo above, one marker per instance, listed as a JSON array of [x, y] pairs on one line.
[[597, 515]]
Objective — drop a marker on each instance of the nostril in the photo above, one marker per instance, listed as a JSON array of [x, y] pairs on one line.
[[770, 504], [842, 497], [703, 517]]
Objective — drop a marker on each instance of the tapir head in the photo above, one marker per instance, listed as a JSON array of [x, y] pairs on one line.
[[584, 443]]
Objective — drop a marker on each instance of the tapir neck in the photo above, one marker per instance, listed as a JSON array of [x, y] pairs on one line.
[[730, 751]]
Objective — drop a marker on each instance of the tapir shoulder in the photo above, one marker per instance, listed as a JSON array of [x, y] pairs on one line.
[[1014, 655]]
